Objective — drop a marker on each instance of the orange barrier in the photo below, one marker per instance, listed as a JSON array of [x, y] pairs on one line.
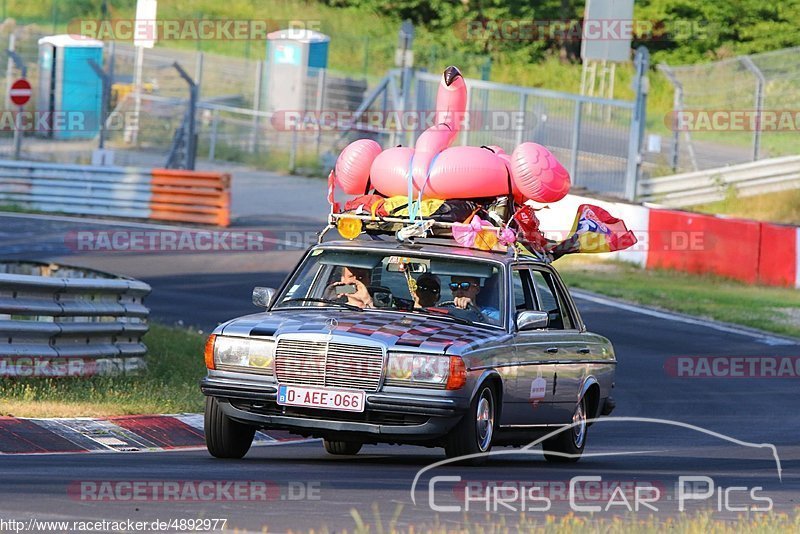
[[190, 196]]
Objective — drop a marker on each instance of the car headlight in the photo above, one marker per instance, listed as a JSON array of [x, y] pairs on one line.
[[244, 354], [418, 370]]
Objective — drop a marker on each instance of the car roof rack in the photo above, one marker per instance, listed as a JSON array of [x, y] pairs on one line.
[[424, 230]]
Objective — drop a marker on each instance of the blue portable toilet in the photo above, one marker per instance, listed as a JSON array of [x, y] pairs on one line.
[[70, 92], [293, 56]]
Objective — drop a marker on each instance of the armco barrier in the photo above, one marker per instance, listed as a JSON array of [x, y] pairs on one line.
[[64, 321], [710, 185], [158, 194]]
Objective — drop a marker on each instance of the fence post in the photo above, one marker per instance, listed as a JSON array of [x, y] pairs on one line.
[[760, 82], [18, 61], [198, 71], [419, 97], [638, 120], [12, 41], [293, 151], [321, 79], [576, 139], [256, 107], [677, 105], [212, 142], [469, 120], [523, 106], [106, 81], [191, 114]]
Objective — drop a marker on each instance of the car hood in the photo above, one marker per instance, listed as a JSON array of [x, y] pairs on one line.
[[395, 330]]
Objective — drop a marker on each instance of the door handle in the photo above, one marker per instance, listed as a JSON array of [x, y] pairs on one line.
[[552, 350], [584, 350]]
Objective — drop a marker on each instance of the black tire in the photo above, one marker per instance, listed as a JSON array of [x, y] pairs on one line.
[[474, 433], [225, 438], [569, 444], [346, 448]]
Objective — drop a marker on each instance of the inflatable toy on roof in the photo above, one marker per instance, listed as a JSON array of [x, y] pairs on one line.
[[434, 169]]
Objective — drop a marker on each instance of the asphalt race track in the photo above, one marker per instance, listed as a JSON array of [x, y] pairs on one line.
[[310, 489]]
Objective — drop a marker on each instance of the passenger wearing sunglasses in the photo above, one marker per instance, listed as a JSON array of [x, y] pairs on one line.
[[465, 289], [428, 290]]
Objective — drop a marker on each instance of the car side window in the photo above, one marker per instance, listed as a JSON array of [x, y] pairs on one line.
[[524, 298], [550, 302], [519, 290]]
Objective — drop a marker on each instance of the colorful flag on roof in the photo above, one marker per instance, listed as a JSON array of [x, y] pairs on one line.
[[595, 230]]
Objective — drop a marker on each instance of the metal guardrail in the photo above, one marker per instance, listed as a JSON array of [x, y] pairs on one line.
[[173, 195], [70, 322], [754, 178], [79, 189]]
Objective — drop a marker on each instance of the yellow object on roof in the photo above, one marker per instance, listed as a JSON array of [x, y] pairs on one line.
[[427, 207]]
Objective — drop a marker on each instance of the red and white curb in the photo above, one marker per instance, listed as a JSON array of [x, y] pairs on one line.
[[131, 433]]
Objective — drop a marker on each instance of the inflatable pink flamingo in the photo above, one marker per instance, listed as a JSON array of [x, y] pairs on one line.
[[440, 171]]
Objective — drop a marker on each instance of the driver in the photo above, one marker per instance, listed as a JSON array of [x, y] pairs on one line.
[[465, 289], [354, 282]]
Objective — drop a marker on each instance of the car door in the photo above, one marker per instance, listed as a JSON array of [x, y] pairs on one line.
[[565, 343], [532, 400]]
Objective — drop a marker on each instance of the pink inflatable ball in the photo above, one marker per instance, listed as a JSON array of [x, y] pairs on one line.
[[353, 165], [537, 173]]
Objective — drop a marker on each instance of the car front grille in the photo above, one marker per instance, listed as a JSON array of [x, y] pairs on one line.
[[328, 364]]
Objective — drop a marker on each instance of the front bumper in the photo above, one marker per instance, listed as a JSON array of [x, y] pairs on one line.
[[387, 417]]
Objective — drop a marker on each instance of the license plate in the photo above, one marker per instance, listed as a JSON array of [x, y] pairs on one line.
[[329, 399]]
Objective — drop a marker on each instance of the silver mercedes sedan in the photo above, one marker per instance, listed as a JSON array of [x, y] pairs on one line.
[[428, 344]]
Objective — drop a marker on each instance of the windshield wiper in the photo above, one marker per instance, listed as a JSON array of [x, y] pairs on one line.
[[326, 301], [440, 313]]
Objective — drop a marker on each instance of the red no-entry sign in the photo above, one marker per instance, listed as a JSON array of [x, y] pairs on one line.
[[20, 92]]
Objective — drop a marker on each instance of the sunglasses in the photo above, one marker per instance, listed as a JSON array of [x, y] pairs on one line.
[[429, 289], [461, 285]]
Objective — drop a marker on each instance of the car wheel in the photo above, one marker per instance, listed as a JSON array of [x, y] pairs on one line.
[[474, 433], [570, 443], [348, 448], [225, 438]]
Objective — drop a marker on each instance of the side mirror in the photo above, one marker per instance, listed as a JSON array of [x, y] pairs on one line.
[[262, 296], [532, 320]]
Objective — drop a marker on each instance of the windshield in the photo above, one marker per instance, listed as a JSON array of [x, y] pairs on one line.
[[463, 290]]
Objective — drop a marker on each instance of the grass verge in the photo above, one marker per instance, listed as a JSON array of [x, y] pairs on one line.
[[169, 385], [780, 207], [771, 309]]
